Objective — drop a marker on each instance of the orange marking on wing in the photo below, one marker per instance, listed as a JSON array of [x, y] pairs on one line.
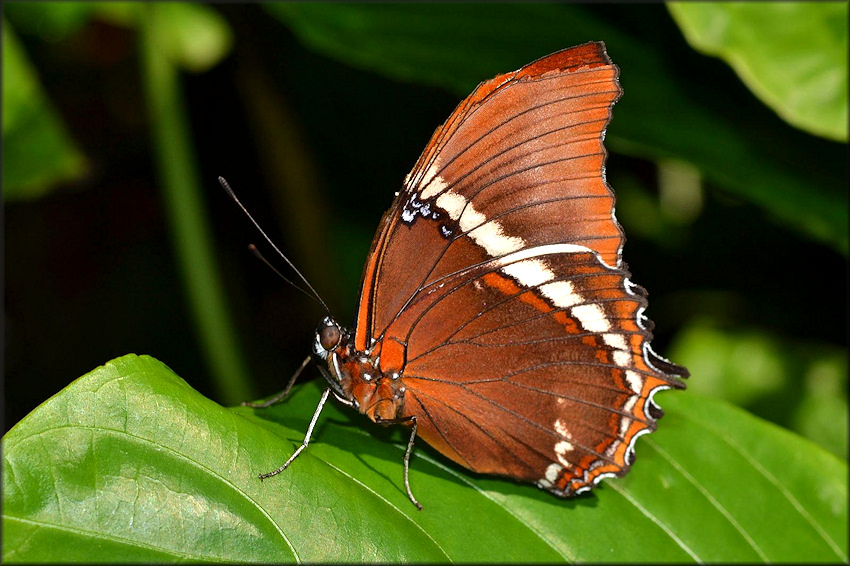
[[362, 331], [503, 284], [392, 355], [636, 341], [606, 443], [610, 468], [565, 478], [627, 322], [535, 301], [626, 312], [619, 379], [568, 323], [614, 418], [584, 464], [620, 453], [640, 409]]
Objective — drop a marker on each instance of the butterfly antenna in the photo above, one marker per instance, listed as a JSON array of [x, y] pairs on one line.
[[259, 256], [256, 252]]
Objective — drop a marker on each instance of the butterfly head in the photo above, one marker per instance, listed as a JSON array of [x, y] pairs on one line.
[[330, 336], [355, 376], [332, 345]]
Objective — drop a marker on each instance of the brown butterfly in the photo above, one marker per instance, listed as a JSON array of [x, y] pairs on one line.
[[496, 315]]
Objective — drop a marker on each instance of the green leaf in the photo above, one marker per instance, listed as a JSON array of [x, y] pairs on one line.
[[794, 382], [195, 36], [38, 153], [129, 463], [738, 366], [659, 117], [792, 55], [52, 21], [823, 413]]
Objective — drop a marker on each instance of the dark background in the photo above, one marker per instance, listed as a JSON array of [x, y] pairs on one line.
[[90, 269]]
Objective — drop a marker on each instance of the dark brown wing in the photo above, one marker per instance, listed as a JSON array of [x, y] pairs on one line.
[[496, 288]]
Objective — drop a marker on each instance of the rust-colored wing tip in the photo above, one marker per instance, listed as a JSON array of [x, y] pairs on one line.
[[587, 55]]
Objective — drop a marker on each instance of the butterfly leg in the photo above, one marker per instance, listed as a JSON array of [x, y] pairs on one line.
[[407, 464], [306, 438], [282, 395], [403, 420]]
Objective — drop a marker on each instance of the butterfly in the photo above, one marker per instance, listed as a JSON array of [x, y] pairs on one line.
[[496, 316]]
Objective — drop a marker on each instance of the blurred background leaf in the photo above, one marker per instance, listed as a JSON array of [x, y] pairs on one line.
[[799, 385], [188, 36], [444, 47], [38, 152], [792, 55], [194, 36]]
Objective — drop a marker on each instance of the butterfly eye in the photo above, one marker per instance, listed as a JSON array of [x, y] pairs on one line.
[[329, 336]]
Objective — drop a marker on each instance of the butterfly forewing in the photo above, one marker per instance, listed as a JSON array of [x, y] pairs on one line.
[[496, 290], [527, 147]]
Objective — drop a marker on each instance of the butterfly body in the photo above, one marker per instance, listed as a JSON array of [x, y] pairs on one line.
[[496, 315], [356, 377]]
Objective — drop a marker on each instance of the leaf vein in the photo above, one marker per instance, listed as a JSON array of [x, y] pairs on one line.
[[179, 456], [714, 502], [655, 520], [750, 459]]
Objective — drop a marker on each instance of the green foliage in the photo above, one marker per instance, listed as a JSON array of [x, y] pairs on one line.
[[192, 36], [792, 55], [39, 156], [658, 117], [165, 42], [798, 384], [129, 463], [52, 21], [38, 152]]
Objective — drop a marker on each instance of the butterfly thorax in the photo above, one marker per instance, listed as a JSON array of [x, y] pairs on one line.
[[354, 377]]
